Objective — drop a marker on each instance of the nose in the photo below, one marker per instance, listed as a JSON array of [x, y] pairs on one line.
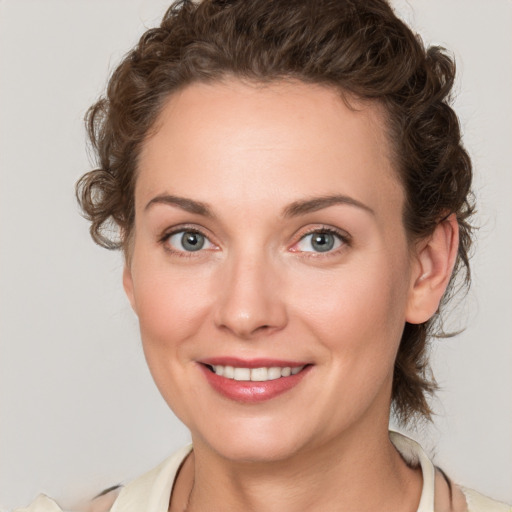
[[251, 299]]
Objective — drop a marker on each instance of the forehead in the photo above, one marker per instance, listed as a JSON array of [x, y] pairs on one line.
[[232, 140]]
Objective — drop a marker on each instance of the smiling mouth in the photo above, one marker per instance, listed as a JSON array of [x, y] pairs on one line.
[[253, 381], [261, 374]]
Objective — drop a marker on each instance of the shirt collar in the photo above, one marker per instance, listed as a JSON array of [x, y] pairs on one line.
[[152, 490]]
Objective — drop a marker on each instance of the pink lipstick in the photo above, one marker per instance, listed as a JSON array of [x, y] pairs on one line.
[[255, 380]]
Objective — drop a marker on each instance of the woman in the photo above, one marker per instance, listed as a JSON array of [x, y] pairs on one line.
[[293, 203]]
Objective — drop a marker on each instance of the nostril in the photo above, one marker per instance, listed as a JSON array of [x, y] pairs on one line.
[[262, 328]]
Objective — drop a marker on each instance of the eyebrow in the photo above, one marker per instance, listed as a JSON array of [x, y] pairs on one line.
[[189, 205], [314, 204], [294, 209]]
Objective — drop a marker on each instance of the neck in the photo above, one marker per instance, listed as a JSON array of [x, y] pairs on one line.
[[359, 472]]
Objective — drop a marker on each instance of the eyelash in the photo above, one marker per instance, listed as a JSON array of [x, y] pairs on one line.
[[342, 236], [164, 239]]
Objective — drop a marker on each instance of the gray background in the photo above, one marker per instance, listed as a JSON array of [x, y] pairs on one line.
[[79, 411]]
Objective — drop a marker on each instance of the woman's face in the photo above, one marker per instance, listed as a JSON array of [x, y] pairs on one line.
[[268, 241]]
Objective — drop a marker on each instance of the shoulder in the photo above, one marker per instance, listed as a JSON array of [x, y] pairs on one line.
[[101, 503], [147, 492], [479, 503], [450, 497], [151, 491], [439, 492], [41, 504]]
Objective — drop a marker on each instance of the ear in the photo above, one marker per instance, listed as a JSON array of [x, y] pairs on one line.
[[434, 260], [128, 285]]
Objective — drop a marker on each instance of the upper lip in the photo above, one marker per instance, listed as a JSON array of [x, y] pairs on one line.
[[251, 363]]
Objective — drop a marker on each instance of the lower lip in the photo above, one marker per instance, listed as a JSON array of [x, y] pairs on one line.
[[249, 391]]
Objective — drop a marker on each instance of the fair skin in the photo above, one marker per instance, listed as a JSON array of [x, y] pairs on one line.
[[269, 232]]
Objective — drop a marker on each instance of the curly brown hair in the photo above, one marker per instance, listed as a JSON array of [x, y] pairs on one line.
[[358, 47]]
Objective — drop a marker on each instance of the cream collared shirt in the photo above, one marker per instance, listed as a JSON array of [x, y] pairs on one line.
[[151, 492]]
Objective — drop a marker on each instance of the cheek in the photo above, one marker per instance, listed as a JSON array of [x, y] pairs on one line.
[[171, 306], [359, 311], [358, 319], [170, 303]]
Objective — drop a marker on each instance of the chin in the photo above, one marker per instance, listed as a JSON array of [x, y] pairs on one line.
[[260, 451], [253, 441]]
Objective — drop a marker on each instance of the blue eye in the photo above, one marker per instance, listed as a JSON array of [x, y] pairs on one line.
[[320, 241], [189, 241]]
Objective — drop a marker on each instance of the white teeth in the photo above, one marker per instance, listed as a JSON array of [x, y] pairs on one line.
[[286, 372], [255, 374], [259, 374], [242, 374], [274, 373]]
